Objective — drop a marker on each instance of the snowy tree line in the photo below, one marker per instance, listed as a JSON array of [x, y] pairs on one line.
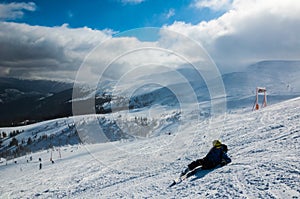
[[17, 146]]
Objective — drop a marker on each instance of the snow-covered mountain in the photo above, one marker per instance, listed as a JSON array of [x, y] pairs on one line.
[[149, 103], [280, 78], [18, 141], [263, 145], [23, 101]]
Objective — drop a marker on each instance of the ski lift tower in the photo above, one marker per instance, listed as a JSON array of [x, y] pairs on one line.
[[264, 104]]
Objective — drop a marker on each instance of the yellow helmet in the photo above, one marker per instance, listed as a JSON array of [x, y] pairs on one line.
[[217, 143]]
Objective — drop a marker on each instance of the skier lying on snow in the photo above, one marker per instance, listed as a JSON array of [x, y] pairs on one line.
[[216, 156]]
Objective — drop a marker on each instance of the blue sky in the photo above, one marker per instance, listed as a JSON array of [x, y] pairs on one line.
[[114, 14]]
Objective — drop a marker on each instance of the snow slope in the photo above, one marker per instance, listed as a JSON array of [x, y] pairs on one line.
[[87, 129], [279, 77], [264, 147]]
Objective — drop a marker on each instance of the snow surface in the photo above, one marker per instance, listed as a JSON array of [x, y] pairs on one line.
[[263, 145]]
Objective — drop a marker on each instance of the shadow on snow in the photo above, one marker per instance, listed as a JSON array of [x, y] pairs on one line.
[[200, 173]]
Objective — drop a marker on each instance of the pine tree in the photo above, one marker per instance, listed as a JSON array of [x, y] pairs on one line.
[[29, 141], [14, 142]]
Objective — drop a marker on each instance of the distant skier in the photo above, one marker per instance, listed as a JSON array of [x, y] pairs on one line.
[[215, 157], [40, 159]]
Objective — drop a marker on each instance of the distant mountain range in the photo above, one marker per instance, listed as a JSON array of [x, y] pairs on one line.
[[29, 101], [280, 78]]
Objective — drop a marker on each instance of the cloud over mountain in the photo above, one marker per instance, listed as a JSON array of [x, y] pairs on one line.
[[250, 31], [29, 51]]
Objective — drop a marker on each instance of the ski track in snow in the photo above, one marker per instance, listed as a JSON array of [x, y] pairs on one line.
[[263, 145]]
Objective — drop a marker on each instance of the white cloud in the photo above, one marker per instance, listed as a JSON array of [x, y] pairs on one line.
[[251, 31], [170, 13], [118, 56], [15, 10], [36, 51], [58, 52], [213, 4]]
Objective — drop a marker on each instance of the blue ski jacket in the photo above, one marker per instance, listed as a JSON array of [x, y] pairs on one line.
[[216, 156]]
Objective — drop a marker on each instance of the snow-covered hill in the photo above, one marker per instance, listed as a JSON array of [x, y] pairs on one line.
[[264, 147], [280, 78], [28, 101], [84, 129]]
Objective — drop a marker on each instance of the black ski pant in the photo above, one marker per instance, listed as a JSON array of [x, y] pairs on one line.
[[201, 162], [195, 164]]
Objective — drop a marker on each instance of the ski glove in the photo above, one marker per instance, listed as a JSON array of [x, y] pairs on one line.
[[223, 163]]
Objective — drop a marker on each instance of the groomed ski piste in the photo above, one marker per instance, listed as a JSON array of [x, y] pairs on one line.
[[264, 146]]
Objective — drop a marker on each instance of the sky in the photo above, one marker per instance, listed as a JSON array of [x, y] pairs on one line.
[[52, 39], [118, 15]]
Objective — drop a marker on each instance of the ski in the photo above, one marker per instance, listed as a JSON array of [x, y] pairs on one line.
[[178, 180], [185, 176]]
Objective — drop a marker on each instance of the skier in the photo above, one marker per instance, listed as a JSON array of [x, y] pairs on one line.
[[40, 159], [216, 156]]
